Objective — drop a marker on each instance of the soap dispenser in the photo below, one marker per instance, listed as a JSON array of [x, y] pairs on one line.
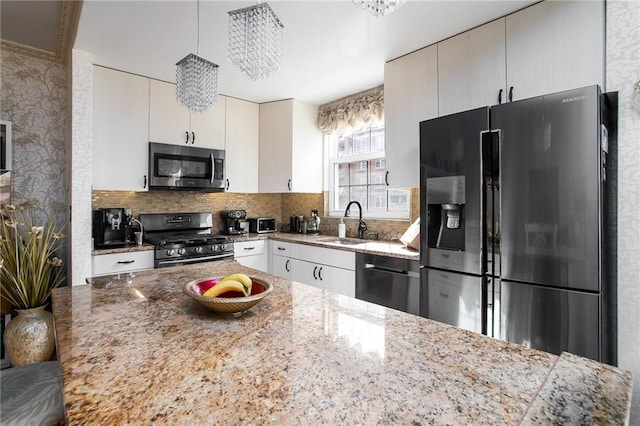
[[342, 229]]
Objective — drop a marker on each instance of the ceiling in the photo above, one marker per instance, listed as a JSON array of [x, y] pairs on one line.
[[331, 48]]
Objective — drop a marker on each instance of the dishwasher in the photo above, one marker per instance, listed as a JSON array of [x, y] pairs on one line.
[[388, 281]]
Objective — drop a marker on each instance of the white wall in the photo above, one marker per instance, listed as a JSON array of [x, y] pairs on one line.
[[623, 71]]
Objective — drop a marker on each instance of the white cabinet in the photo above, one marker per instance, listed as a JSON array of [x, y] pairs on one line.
[[242, 145], [290, 147], [172, 123], [120, 130], [251, 254], [471, 69], [554, 46], [280, 259], [410, 96], [116, 263]]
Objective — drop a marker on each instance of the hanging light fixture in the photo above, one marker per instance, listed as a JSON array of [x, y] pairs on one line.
[[255, 40], [379, 8], [196, 79]]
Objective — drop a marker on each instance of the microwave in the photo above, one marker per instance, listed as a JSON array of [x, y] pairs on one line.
[[262, 225], [186, 167]]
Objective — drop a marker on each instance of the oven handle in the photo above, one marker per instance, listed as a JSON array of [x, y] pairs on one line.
[[194, 259]]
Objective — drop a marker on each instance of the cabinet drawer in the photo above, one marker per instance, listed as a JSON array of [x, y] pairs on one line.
[[338, 258], [114, 263], [248, 248], [280, 248]]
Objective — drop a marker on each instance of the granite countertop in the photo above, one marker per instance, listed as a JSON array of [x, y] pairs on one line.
[[134, 349]]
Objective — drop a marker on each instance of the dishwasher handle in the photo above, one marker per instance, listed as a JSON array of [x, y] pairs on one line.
[[411, 274]]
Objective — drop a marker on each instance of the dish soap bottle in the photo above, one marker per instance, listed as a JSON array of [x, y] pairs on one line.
[[342, 229]]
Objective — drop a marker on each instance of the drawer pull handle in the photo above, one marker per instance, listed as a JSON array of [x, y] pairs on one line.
[[320, 273], [281, 248], [444, 296], [125, 262], [446, 256], [249, 248], [314, 272]]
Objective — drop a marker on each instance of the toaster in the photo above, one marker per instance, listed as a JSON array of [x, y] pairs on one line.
[[262, 225]]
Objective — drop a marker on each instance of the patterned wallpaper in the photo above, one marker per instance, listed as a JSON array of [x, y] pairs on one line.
[[623, 71], [34, 99]]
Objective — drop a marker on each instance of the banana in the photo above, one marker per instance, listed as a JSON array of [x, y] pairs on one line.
[[225, 286], [244, 279]]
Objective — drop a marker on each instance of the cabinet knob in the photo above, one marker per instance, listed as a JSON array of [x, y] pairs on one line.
[[187, 138], [286, 266], [193, 138], [315, 268], [289, 184], [320, 273], [386, 178], [227, 187], [144, 184]]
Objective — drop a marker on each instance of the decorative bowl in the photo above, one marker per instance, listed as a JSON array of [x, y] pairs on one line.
[[229, 303]]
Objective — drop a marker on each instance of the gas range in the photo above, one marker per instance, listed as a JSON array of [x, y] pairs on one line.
[[184, 238]]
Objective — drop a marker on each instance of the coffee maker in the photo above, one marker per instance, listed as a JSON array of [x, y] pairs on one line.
[[109, 227], [232, 222]]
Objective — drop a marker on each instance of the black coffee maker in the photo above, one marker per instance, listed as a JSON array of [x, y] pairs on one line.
[[109, 227], [231, 222]]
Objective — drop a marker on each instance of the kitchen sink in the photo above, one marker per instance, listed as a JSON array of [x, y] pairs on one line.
[[342, 242]]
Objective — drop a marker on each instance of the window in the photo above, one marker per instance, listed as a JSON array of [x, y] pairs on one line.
[[357, 172]]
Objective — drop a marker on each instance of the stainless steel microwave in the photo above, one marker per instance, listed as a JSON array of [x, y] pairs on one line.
[[186, 167]]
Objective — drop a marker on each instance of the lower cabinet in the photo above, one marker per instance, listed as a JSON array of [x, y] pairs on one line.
[[116, 263], [251, 254], [328, 269]]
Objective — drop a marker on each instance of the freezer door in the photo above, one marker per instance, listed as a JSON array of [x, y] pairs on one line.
[[550, 319], [452, 298], [550, 189]]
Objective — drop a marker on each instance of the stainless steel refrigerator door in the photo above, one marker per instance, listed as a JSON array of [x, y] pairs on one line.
[[550, 320], [550, 189], [453, 298], [450, 153]]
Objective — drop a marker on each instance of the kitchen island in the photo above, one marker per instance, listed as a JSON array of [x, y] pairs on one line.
[[135, 350]]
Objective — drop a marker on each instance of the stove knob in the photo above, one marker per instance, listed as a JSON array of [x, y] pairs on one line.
[[198, 250], [223, 247], [171, 252], [181, 251], [214, 248]]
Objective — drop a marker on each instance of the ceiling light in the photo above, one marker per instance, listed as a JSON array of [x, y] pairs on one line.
[[255, 40], [196, 79], [379, 8]]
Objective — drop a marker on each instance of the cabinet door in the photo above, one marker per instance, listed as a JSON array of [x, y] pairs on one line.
[[120, 130], [410, 96], [554, 46], [242, 145], [281, 266], [275, 146], [306, 156], [306, 273], [337, 280], [168, 120], [258, 262], [471, 69], [209, 127]]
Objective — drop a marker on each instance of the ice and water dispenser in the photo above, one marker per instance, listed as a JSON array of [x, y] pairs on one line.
[[446, 212]]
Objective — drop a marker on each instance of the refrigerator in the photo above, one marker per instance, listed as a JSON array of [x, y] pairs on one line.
[[517, 222]]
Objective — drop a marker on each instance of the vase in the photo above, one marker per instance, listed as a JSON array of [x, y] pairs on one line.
[[29, 337]]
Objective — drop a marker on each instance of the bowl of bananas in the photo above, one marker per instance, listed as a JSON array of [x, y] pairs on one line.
[[232, 295]]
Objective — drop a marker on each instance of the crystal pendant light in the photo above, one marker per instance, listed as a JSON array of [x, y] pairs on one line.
[[379, 8], [196, 79], [255, 40]]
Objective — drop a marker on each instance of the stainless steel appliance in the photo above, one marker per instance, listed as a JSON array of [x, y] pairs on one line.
[[517, 213], [232, 222], [388, 281], [186, 167], [184, 238], [109, 227], [314, 223], [262, 225]]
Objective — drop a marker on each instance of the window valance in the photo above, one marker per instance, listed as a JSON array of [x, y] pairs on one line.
[[364, 109]]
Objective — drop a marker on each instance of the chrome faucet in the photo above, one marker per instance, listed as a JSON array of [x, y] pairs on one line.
[[362, 226]]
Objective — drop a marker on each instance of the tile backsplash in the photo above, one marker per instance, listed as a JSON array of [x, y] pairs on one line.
[[280, 206]]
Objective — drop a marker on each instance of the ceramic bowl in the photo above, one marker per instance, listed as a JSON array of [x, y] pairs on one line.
[[230, 303]]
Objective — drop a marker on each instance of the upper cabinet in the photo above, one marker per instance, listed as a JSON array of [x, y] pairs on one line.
[[290, 147], [242, 145], [172, 123], [120, 130], [554, 46], [471, 69], [410, 96]]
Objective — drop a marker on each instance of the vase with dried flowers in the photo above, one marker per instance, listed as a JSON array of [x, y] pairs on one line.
[[29, 271]]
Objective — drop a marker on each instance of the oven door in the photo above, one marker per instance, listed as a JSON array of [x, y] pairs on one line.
[[165, 263], [186, 167]]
